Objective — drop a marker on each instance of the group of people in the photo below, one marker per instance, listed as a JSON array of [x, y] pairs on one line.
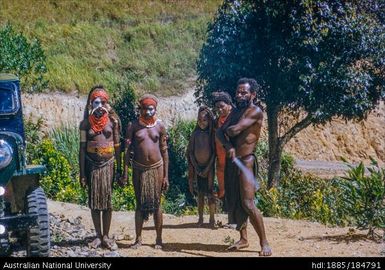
[[223, 146]]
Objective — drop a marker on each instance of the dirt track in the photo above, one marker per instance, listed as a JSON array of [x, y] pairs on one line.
[[182, 238]]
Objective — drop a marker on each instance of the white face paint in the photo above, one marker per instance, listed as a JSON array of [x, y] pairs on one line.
[[148, 111], [96, 103], [97, 107]]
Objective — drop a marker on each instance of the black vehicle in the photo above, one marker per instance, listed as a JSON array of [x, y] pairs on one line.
[[23, 204]]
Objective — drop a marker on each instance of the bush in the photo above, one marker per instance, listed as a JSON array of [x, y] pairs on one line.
[[123, 198], [302, 196], [124, 104], [25, 59], [57, 183], [33, 138], [178, 195], [365, 196], [67, 140]]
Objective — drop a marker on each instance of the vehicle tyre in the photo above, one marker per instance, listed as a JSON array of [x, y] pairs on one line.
[[38, 236]]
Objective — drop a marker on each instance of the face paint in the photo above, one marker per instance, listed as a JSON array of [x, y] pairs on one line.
[[96, 103], [97, 107], [148, 111]]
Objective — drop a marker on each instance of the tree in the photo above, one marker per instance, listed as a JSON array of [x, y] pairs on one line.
[[23, 58], [314, 59]]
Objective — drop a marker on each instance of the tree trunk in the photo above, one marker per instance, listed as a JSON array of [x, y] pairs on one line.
[[276, 142], [275, 148]]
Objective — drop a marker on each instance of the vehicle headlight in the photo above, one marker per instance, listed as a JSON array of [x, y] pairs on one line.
[[5, 154]]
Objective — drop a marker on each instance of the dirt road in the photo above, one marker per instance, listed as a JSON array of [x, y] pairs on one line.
[[182, 238]]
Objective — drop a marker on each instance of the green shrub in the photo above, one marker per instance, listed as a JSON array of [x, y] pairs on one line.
[[124, 104], [33, 137], [302, 196], [179, 136], [123, 198], [365, 196], [23, 58], [57, 183], [67, 140]]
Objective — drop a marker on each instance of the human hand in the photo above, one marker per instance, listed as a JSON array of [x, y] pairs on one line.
[[122, 181], [165, 184], [203, 173], [231, 153], [83, 181]]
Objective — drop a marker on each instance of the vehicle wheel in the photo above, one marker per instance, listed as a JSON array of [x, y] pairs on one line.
[[38, 238], [5, 249]]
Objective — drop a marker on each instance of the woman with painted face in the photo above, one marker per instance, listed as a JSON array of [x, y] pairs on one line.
[[99, 148], [146, 139]]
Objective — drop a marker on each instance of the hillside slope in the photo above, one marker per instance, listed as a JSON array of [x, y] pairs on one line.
[[150, 44]]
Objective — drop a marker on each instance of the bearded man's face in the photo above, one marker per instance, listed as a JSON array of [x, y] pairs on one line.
[[243, 95]]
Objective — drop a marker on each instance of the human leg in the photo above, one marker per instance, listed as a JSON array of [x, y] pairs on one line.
[[138, 229], [95, 214], [158, 221], [201, 201], [247, 189]]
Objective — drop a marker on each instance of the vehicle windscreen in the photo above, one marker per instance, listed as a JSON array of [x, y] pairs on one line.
[[7, 101]]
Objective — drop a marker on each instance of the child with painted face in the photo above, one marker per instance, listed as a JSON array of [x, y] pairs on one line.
[[201, 158]]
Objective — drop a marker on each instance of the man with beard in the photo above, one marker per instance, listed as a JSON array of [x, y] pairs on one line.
[[99, 148], [239, 135], [147, 139]]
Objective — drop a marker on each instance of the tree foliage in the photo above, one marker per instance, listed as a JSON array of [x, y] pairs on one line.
[[22, 58], [322, 58]]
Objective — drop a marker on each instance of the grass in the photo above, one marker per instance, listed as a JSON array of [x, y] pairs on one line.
[[151, 44]]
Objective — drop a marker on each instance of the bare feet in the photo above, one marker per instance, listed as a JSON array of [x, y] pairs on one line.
[[266, 250], [238, 245], [230, 226], [136, 245], [95, 244], [158, 244], [109, 243]]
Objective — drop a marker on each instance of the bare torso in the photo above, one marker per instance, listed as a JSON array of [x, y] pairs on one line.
[[202, 149], [100, 146], [145, 142], [246, 141]]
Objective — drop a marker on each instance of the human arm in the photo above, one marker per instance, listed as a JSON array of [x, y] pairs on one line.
[[252, 115], [116, 138], [164, 152], [82, 155], [127, 148], [190, 168], [225, 142]]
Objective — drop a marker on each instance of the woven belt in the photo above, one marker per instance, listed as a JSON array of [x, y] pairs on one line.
[[100, 150]]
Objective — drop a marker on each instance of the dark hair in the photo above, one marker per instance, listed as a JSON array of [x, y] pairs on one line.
[[254, 86], [99, 86], [222, 96]]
